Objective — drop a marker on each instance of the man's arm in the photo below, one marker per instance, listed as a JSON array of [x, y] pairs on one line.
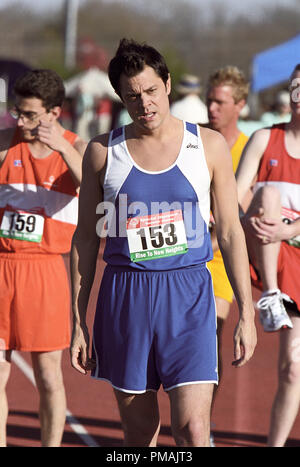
[[231, 240], [85, 247], [250, 160], [257, 224]]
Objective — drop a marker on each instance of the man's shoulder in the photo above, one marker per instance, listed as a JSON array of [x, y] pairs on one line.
[[6, 137], [96, 152], [261, 136], [209, 134], [214, 144]]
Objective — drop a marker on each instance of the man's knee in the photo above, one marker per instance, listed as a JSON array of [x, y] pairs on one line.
[[5, 364], [48, 373], [290, 373], [194, 433], [267, 196], [140, 434]]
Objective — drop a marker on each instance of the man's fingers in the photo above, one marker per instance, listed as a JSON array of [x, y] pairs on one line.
[[242, 355], [237, 353], [77, 361]]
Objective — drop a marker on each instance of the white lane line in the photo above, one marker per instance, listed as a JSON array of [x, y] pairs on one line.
[[71, 420]]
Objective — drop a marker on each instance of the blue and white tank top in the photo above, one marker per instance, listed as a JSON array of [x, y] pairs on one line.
[[156, 221]]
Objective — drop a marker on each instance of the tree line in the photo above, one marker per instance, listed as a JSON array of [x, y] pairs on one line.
[[191, 40]]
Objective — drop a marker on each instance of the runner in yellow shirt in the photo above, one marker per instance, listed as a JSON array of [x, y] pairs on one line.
[[226, 96]]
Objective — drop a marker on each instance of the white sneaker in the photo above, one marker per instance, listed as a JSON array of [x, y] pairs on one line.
[[212, 440], [273, 315]]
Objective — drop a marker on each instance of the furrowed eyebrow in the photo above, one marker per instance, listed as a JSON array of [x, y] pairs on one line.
[[134, 94], [29, 112]]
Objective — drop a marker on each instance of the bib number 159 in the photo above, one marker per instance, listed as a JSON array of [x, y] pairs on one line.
[[22, 226]]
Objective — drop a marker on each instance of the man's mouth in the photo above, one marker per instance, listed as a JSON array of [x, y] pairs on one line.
[[147, 116]]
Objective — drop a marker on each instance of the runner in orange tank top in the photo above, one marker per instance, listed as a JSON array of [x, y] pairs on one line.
[[272, 227], [40, 172]]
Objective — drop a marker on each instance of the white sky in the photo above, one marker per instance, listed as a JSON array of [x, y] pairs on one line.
[[255, 6]]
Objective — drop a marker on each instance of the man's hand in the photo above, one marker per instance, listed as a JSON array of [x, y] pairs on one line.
[[80, 349], [50, 134], [266, 230], [245, 340]]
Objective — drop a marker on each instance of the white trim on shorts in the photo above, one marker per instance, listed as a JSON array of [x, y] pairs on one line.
[[143, 391], [190, 383]]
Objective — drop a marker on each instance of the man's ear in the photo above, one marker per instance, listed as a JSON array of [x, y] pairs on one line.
[[55, 112], [241, 104], [168, 84]]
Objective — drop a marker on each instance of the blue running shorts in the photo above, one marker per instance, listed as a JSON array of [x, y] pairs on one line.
[[154, 328]]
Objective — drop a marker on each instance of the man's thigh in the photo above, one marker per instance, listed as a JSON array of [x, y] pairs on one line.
[[140, 417], [190, 402]]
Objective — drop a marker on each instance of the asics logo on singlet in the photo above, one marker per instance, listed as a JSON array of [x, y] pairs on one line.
[[192, 146]]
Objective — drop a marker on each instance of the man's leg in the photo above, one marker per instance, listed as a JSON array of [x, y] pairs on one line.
[[190, 414], [5, 364], [286, 404], [140, 418], [264, 256], [49, 380]]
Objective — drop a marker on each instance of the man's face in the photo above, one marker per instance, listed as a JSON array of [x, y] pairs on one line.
[[146, 98], [30, 111], [221, 107]]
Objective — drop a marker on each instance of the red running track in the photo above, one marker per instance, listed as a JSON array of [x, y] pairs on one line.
[[240, 415]]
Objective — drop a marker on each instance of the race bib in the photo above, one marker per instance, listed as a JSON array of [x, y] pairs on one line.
[[20, 225], [156, 236], [289, 216]]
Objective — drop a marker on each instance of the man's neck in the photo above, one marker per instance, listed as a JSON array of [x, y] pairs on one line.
[[231, 134], [294, 125], [39, 150], [162, 133]]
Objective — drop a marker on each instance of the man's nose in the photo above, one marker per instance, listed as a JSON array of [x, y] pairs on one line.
[[20, 121], [145, 100], [211, 106]]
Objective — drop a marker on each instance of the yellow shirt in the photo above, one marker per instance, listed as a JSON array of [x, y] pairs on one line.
[[237, 149], [222, 287]]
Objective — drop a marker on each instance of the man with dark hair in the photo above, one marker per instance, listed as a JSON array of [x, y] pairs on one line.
[[131, 58], [40, 172], [42, 84], [147, 186]]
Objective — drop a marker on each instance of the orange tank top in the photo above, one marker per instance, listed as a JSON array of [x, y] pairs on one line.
[[279, 169], [38, 201]]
